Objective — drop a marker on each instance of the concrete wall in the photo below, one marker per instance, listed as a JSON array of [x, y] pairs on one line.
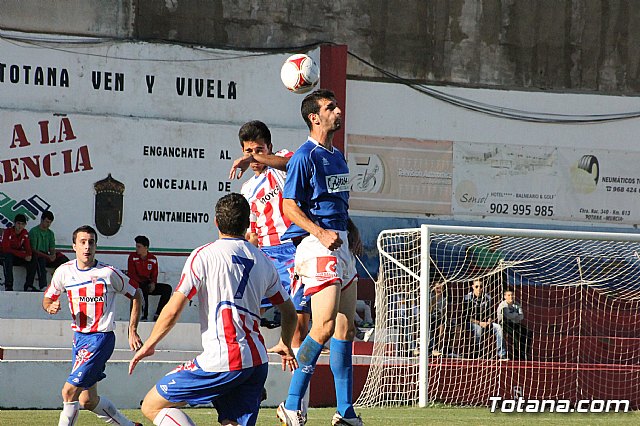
[[575, 45]]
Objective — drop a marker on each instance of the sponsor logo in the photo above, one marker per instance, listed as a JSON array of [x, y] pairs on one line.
[[91, 299], [308, 369], [326, 267], [270, 195], [338, 183]]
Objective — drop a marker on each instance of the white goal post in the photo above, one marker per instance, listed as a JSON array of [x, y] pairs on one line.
[[442, 334]]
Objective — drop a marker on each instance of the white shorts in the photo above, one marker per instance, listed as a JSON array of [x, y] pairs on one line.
[[318, 267]]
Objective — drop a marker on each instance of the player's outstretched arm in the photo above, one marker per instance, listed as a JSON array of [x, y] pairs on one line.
[[289, 320], [135, 342], [166, 321], [240, 165]]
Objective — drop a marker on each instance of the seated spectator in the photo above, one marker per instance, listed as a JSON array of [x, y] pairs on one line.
[[43, 244], [478, 311], [510, 316], [363, 316], [143, 272], [17, 251]]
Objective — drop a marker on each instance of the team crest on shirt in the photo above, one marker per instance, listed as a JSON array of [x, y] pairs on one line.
[[82, 356], [326, 267], [338, 183]]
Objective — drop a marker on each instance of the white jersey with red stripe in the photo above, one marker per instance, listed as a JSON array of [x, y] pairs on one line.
[[264, 194], [91, 293], [231, 277]]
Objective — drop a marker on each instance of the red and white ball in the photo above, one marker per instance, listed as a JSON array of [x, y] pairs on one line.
[[300, 73]]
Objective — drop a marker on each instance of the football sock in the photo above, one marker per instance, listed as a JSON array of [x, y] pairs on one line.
[[105, 410], [340, 360], [305, 399], [172, 417], [69, 414], [307, 357]]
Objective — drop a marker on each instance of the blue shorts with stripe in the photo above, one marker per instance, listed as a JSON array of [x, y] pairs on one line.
[[91, 351], [236, 395]]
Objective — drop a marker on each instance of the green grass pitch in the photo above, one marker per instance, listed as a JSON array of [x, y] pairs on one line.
[[371, 417]]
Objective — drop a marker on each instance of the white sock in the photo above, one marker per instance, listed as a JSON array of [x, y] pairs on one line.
[[172, 417], [304, 405], [69, 414], [105, 410]]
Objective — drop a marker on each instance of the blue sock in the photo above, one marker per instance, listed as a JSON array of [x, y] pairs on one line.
[[307, 358], [342, 368]]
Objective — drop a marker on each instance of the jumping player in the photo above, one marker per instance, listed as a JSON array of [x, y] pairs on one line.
[[91, 287], [268, 222], [316, 199], [230, 276]]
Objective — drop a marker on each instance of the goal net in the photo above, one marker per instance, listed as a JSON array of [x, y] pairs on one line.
[[569, 327]]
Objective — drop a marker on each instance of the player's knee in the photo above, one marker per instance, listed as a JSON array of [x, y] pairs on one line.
[[148, 411], [87, 402]]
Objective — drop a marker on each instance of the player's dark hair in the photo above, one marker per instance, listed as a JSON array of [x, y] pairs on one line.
[[47, 215], [232, 214], [311, 103], [254, 130], [141, 239], [507, 289], [84, 228]]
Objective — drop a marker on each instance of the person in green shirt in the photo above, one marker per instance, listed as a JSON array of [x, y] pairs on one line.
[[43, 245]]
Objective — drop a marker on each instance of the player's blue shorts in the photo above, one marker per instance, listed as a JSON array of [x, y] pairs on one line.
[[236, 395], [91, 351], [283, 257]]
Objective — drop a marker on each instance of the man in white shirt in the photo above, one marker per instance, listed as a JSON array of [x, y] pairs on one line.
[[230, 276]]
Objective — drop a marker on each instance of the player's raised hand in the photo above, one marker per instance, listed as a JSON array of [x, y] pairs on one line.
[[286, 353], [239, 166], [143, 352]]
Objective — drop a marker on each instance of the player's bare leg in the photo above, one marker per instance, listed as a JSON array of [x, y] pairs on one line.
[[163, 412], [340, 358], [324, 309]]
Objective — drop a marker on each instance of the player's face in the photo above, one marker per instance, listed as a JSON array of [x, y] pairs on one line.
[[259, 146], [330, 115], [45, 223], [85, 248]]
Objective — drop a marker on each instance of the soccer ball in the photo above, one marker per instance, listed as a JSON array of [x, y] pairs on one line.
[[299, 73]]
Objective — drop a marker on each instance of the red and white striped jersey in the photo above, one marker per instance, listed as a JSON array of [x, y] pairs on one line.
[[264, 194], [231, 277], [91, 293]]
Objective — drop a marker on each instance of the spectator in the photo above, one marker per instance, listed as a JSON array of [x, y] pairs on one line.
[[363, 316], [486, 257], [478, 310], [43, 244], [143, 272], [510, 316], [437, 313], [17, 251]]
